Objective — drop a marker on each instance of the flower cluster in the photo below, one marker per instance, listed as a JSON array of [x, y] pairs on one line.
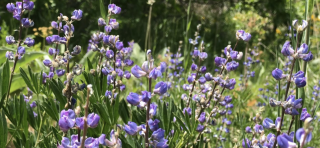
[[17, 10], [143, 101], [91, 142], [116, 55], [290, 105], [248, 66]]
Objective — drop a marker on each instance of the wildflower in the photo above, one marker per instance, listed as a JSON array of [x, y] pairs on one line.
[[160, 88], [300, 135], [29, 42], [67, 120], [153, 125], [285, 141], [131, 128], [278, 74], [10, 40], [113, 141], [133, 99], [76, 15]]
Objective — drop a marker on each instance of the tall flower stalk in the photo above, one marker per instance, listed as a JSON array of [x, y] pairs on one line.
[[17, 11], [289, 105]]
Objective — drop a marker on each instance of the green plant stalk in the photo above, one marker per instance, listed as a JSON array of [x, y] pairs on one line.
[[85, 126], [16, 57], [39, 130], [216, 84], [146, 140], [148, 31], [287, 90]]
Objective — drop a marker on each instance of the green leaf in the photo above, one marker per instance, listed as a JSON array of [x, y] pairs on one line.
[[124, 113], [102, 9], [3, 130], [5, 78], [27, 80]]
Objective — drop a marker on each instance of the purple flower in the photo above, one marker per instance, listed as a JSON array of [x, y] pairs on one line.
[[200, 128], [47, 62], [44, 78], [278, 74], [163, 66], [128, 62], [76, 50], [76, 15], [54, 25], [194, 67], [131, 128], [93, 120], [285, 141], [21, 50], [203, 69], [113, 141], [114, 9], [28, 5], [146, 96], [158, 135], [229, 84], [66, 143], [67, 120], [303, 49], [10, 40], [153, 109], [258, 128], [137, 71], [27, 22], [113, 24], [219, 61], [191, 78], [119, 45], [49, 39], [300, 135], [155, 73], [91, 142], [246, 143], [308, 57], [202, 80], [246, 37], [101, 22], [52, 51], [122, 87], [106, 39], [203, 55], [67, 30], [108, 28], [29, 42], [268, 123], [134, 99], [233, 65], [127, 74], [287, 49], [160, 88], [188, 110], [153, 125], [248, 129], [233, 55], [33, 104], [109, 54], [304, 114], [10, 7], [9, 55], [60, 72], [300, 82], [202, 117], [208, 76]]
